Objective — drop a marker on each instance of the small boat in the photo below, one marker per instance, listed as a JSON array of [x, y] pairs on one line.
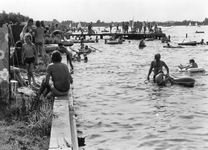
[[149, 39], [116, 41], [84, 41], [199, 32], [172, 46], [191, 43]]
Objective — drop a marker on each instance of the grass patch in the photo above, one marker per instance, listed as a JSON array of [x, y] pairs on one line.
[[26, 124]]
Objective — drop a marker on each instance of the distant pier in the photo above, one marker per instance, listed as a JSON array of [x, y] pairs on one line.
[[130, 36]]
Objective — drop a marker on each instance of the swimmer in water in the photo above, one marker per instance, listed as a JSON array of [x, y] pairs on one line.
[[157, 65]]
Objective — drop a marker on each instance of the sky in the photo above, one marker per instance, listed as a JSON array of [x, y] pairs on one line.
[[109, 10]]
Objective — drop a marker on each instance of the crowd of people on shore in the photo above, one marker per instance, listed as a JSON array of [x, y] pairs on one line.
[[31, 46], [31, 51]]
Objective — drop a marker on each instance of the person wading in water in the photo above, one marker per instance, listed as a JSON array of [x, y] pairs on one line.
[[157, 65]]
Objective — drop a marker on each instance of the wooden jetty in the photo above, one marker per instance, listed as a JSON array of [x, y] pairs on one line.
[[63, 129], [130, 36]]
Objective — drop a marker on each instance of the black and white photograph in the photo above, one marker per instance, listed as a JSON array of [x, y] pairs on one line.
[[104, 75]]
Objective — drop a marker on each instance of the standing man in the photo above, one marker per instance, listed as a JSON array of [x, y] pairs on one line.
[[111, 28], [157, 65], [90, 31], [63, 49]]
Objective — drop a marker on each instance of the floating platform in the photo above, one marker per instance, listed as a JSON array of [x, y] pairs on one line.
[[129, 36]]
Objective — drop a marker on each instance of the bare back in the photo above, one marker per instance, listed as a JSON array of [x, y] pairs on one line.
[[157, 66], [39, 34], [60, 76]]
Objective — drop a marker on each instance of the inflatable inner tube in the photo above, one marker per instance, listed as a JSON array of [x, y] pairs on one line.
[[50, 47], [67, 43], [186, 81], [192, 70]]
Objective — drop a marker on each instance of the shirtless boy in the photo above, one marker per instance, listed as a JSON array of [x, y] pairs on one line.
[[29, 56], [60, 76], [63, 49]]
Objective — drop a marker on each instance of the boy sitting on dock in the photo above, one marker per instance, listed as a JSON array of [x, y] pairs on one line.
[[58, 77]]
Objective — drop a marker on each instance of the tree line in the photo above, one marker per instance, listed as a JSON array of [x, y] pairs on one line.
[[172, 23], [18, 18]]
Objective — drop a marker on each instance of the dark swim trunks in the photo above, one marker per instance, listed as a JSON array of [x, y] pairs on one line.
[[39, 43], [29, 60], [61, 90]]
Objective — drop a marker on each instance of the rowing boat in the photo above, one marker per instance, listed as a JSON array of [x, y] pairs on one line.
[[116, 41], [191, 43]]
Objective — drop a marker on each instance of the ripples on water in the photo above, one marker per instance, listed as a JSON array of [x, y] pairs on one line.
[[117, 110]]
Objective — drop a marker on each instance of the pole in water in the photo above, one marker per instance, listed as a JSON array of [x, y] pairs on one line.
[[186, 35]]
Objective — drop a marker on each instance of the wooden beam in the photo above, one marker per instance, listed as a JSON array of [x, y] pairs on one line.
[[60, 129]]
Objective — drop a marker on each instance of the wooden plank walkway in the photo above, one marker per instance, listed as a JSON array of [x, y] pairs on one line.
[[63, 129]]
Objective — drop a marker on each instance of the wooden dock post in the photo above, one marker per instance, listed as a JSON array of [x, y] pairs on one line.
[[14, 85]]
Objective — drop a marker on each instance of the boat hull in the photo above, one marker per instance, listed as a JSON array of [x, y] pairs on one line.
[[192, 43]]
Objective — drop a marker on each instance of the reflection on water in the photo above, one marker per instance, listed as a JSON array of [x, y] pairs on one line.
[[117, 109]]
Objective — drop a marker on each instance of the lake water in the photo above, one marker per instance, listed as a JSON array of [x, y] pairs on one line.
[[118, 110]]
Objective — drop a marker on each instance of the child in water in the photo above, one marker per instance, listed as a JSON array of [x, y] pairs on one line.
[[192, 64], [161, 79], [29, 57]]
